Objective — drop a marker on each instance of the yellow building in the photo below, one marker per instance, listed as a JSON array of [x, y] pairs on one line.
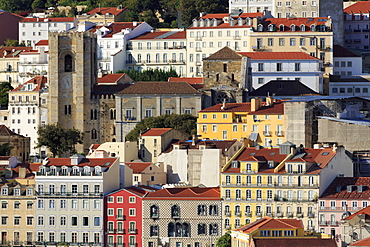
[[17, 212], [278, 232], [260, 122], [282, 182]]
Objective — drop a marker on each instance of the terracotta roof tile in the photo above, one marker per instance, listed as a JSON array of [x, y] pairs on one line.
[[359, 7], [275, 109], [110, 78], [251, 15], [190, 80], [138, 167], [158, 87], [364, 211], [42, 42], [38, 81], [288, 22], [192, 193], [224, 53], [117, 27], [106, 10], [331, 191], [157, 34], [340, 51], [271, 223], [13, 51], [56, 19], [362, 242], [106, 89], [5, 131], [215, 16], [294, 242], [156, 131], [278, 55], [230, 107]]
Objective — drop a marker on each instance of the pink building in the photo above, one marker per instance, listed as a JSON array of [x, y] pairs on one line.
[[344, 196]]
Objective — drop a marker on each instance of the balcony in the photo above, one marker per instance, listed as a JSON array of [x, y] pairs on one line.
[[300, 215], [357, 41], [323, 223], [154, 216], [333, 223], [259, 214], [267, 133], [132, 231], [198, 38], [326, 64], [64, 194], [228, 213], [280, 214], [269, 214], [365, 30], [258, 48], [311, 215], [237, 37], [121, 231], [324, 48], [348, 30], [228, 227], [178, 47], [357, 30], [111, 230], [198, 49], [289, 215], [279, 133], [120, 217], [248, 214], [348, 41], [238, 213], [132, 244]]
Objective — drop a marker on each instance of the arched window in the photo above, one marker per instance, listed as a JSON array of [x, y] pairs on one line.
[[68, 63], [281, 28], [165, 57], [154, 230], [171, 230], [75, 171], [94, 134], [97, 170], [227, 223], [185, 230], [157, 58], [64, 171], [139, 58], [237, 223], [260, 28], [178, 230], [175, 211], [53, 171], [112, 114], [303, 28], [270, 27], [154, 211], [237, 210], [148, 58], [292, 28], [86, 170], [214, 22], [313, 28]]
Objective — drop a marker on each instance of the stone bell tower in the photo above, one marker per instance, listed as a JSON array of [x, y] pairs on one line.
[[72, 74]]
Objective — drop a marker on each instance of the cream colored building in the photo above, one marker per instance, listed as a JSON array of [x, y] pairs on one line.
[[125, 151], [147, 173], [248, 33]]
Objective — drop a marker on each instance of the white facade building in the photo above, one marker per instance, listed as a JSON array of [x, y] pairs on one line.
[[32, 30], [28, 110], [71, 199], [349, 86], [346, 63], [250, 6], [33, 63], [267, 66], [112, 42], [160, 49]]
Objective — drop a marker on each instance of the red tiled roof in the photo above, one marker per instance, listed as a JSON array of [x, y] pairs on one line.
[[271, 223], [42, 42], [105, 162], [357, 8], [95, 146], [331, 191], [294, 242], [225, 53], [106, 10], [275, 109], [365, 211], [156, 34], [190, 80], [138, 167], [56, 19], [250, 15], [156, 131], [5, 131], [287, 22], [278, 55], [159, 87], [192, 193], [110, 78], [222, 15], [12, 51], [39, 80], [117, 27], [362, 242]]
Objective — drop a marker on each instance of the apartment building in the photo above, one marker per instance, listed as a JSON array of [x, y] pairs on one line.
[[17, 212], [9, 63], [346, 63], [300, 66], [124, 212], [33, 63], [32, 30], [344, 197], [147, 173], [282, 182], [113, 43], [28, 110], [197, 162], [153, 99], [71, 199], [356, 26], [355, 229], [158, 50], [181, 217], [259, 122], [104, 15]]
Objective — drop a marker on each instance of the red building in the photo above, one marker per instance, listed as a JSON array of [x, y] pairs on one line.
[[123, 217]]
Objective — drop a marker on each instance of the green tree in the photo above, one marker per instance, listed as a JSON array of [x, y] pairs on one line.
[[13, 42], [184, 122], [5, 149], [58, 139], [38, 4], [224, 240], [5, 87], [150, 74]]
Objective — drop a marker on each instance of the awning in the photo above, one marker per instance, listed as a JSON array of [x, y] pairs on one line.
[[253, 136]]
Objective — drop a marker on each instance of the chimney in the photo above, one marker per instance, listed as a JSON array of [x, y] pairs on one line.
[[269, 101], [255, 104], [76, 159], [255, 23], [195, 140], [22, 172], [223, 107], [134, 23]]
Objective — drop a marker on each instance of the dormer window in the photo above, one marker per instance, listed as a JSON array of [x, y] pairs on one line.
[[4, 191], [303, 28], [201, 23], [281, 28], [214, 22], [292, 28], [75, 171], [29, 192], [42, 171], [313, 28], [53, 171], [240, 21], [271, 28], [249, 167], [260, 28], [98, 170], [208, 22], [86, 170], [17, 191], [64, 171], [234, 164]]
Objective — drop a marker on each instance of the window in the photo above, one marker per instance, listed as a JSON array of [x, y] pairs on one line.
[[74, 221], [260, 66], [51, 221], [154, 231], [279, 67], [132, 212], [40, 220], [85, 221], [63, 221], [292, 41], [68, 63], [175, 211], [261, 80], [297, 66], [281, 41]]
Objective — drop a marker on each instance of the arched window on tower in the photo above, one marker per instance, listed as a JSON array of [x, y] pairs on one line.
[[68, 63]]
